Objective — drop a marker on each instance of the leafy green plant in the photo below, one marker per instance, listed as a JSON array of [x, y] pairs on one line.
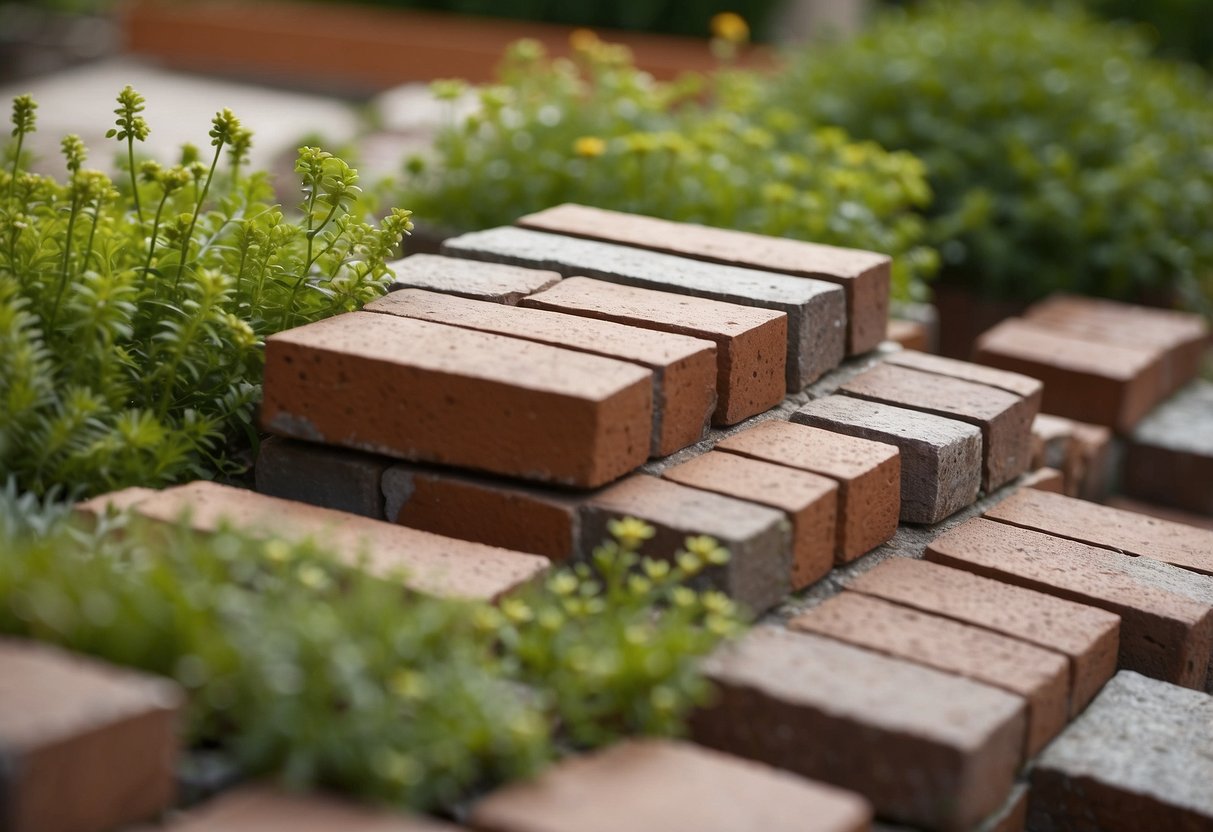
[[132, 314]]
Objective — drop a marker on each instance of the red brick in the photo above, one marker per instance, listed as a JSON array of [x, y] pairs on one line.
[[1039, 676], [1161, 512], [431, 564], [684, 368], [1111, 528], [1005, 418], [85, 747], [1163, 634], [912, 335], [868, 476], [1017, 383], [810, 501], [863, 275], [926, 748], [319, 475], [1054, 445], [1044, 479], [1087, 636], [493, 282], [660, 785], [750, 343], [1094, 446], [1013, 816], [433, 393]]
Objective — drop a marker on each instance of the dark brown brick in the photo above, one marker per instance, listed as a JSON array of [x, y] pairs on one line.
[[493, 282], [319, 475], [1169, 457]]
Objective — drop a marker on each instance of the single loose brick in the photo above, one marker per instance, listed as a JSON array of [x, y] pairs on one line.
[[759, 538], [940, 458], [1040, 676], [1044, 479], [1087, 636], [863, 275], [1137, 759], [1163, 634], [749, 342], [1017, 383], [926, 748], [912, 335], [89, 512], [493, 282], [816, 314], [684, 368], [319, 475], [661, 785], [810, 501], [1005, 418], [1169, 457], [432, 393], [85, 747], [868, 475]]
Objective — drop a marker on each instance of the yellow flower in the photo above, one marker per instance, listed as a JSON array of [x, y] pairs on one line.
[[731, 27], [516, 610], [630, 532], [583, 40], [589, 146]]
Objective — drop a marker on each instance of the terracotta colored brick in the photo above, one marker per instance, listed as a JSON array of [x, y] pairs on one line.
[[1005, 418], [1017, 383], [493, 282], [940, 458], [1138, 759], [1163, 634], [1087, 636], [89, 512], [431, 564], [319, 475], [1054, 445], [1169, 457], [1100, 463], [433, 393], [863, 275], [1108, 384], [759, 538], [495, 512], [660, 785], [1111, 528], [684, 368], [1040, 676], [810, 501], [1161, 512], [1044, 479], [816, 314], [85, 747], [868, 476], [926, 748], [912, 335], [749, 342]]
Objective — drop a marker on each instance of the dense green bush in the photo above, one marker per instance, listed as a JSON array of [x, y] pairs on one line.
[[1182, 28], [1060, 154]]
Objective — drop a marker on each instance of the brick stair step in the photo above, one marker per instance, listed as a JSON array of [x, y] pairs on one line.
[[683, 368], [863, 275], [1044, 479], [492, 282], [320, 475], [85, 747], [750, 353], [810, 502], [940, 458], [1017, 383], [925, 747], [868, 475], [1169, 457], [1166, 613], [1037, 675], [1137, 759], [662, 785], [816, 311], [427, 392]]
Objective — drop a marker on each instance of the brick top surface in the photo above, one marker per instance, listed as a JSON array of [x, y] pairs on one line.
[[687, 509], [267, 809], [1110, 321], [931, 392], [1041, 344], [1182, 423], [893, 421], [1004, 380], [835, 455], [463, 277], [765, 483]]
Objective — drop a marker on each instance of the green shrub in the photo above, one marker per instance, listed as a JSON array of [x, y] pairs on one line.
[[132, 314], [1060, 154]]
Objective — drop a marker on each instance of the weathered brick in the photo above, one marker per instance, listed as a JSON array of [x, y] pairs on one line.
[[1054, 446], [1137, 759], [433, 393], [1169, 457], [925, 747], [749, 342], [868, 475], [810, 501], [85, 747], [319, 475], [912, 335], [661, 785], [1005, 418], [493, 282], [863, 275], [1087, 636], [1097, 450], [759, 538], [940, 458], [816, 313], [1017, 383], [684, 368], [1044, 479], [1040, 676], [1082, 452]]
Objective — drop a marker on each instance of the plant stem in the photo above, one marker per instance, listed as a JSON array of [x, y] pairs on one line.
[[92, 232], [130, 161], [67, 256], [151, 248], [185, 244], [12, 182]]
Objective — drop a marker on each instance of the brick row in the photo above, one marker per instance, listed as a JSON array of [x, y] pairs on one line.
[[492, 282], [1169, 457]]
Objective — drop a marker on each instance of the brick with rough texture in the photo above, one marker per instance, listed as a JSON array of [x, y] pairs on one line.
[[1017, 383], [427, 392], [684, 368], [493, 282], [940, 458], [1161, 512], [336, 478], [661, 785], [925, 747], [868, 475], [749, 342], [816, 311], [863, 275], [84, 747], [1169, 457]]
